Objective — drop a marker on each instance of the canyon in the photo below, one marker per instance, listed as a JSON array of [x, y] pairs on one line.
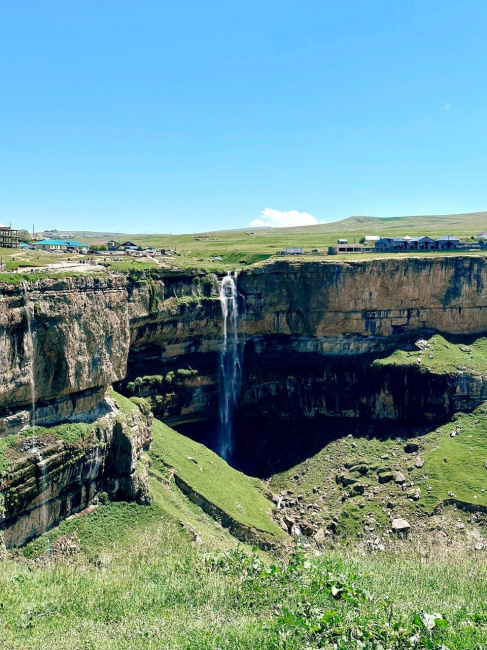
[[311, 336]]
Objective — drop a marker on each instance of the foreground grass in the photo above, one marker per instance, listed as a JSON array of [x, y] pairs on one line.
[[137, 581]]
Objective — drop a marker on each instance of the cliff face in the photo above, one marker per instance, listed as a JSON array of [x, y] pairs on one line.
[[352, 307], [80, 337], [61, 477], [309, 329], [83, 329]]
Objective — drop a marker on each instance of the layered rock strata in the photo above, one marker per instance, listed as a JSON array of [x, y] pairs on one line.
[[57, 478]]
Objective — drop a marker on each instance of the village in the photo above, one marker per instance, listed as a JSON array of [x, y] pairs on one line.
[[46, 242], [53, 243], [377, 244]]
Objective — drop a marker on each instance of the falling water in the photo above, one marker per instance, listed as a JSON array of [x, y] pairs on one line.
[[40, 462], [32, 381], [230, 366]]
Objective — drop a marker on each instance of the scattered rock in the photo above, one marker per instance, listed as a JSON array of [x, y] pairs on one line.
[[419, 462], [308, 529], [349, 480], [415, 494], [296, 531], [288, 520], [399, 478], [361, 468], [401, 527], [411, 448], [319, 536]]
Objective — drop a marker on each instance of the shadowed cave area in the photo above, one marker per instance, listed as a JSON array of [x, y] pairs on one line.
[[291, 404]]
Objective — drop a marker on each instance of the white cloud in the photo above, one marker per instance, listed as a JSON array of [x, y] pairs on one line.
[[446, 107], [283, 219]]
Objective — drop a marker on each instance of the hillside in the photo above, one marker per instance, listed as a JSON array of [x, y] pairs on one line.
[[256, 244]]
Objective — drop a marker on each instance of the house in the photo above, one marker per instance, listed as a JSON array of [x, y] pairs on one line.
[[482, 235], [342, 241], [447, 242], [371, 239], [293, 251], [51, 244], [390, 244], [113, 245], [129, 244], [419, 243], [339, 249], [8, 238], [77, 245]]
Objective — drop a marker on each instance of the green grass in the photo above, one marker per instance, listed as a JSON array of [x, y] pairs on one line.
[[443, 355], [138, 582], [196, 250], [124, 403], [238, 495], [69, 433], [463, 473]]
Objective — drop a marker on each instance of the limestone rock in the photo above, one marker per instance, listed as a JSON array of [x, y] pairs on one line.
[[400, 526], [399, 478], [411, 448]]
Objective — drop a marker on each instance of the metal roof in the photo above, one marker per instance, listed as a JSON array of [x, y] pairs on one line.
[[51, 242]]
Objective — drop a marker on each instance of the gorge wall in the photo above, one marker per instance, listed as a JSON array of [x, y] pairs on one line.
[[310, 332]]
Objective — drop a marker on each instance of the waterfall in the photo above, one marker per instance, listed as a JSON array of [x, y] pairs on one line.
[[230, 366], [32, 380], [43, 478]]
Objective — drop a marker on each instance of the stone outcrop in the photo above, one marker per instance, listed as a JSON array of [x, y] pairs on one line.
[[59, 478], [309, 329], [360, 306], [86, 329]]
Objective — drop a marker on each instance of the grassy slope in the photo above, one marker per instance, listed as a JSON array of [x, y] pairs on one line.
[[238, 495], [448, 356], [138, 582], [463, 475]]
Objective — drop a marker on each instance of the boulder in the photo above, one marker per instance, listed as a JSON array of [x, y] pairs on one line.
[[401, 527], [399, 478], [320, 536], [411, 448]]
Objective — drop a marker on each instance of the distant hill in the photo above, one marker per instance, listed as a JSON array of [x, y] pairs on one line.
[[467, 221], [465, 224]]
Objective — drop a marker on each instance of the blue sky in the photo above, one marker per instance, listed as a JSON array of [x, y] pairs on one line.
[[157, 116]]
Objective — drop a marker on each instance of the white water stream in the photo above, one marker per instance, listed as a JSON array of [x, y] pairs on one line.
[[31, 378], [230, 365], [40, 462]]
